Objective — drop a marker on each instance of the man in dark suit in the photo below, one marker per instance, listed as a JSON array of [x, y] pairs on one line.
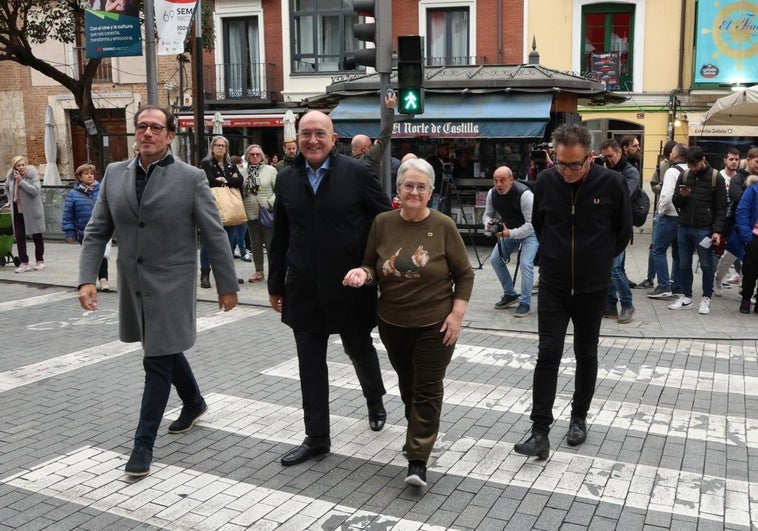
[[325, 204], [155, 202]]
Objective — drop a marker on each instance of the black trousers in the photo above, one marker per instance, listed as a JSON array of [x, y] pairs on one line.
[[750, 269], [160, 373], [314, 375], [555, 309]]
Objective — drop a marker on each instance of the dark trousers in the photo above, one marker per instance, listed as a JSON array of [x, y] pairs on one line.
[[314, 374], [555, 309], [420, 359], [160, 373], [750, 269], [19, 231]]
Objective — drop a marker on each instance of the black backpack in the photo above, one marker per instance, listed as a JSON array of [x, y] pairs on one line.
[[640, 207]]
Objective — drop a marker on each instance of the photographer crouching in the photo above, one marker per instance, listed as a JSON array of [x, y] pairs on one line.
[[508, 218]]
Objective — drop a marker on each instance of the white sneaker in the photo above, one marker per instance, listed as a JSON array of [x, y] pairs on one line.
[[705, 306], [237, 253], [23, 268], [717, 290], [39, 266], [682, 303], [734, 279]]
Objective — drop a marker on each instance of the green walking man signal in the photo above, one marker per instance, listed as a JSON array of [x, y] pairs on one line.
[[410, 74]]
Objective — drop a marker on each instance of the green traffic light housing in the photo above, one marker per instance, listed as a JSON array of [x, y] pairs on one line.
[[410, 100]]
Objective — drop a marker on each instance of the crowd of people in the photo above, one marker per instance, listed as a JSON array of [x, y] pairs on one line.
[[343, 259]]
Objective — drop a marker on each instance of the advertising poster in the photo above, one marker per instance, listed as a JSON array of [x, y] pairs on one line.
[[726, 50], [112, 28], [606, 68], [173, 18]]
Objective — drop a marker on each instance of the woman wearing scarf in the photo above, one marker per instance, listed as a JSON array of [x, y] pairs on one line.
[[257, 192], [22, 188]]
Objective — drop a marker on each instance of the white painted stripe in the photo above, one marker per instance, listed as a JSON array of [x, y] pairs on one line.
[[38, 300], [660, 420], [69, 362], [629, 485], [172, 497]]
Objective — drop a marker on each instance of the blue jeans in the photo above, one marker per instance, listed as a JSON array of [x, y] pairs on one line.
[[239, 238], [529, 246], [665, 236], [688, 239], [619, 283], [650, 259]]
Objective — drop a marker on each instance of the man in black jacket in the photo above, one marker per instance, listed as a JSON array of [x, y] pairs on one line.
[[700, 197], [325, 205], [583, 218]]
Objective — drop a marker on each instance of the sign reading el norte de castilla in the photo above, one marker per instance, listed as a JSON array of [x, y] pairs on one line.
[[727, 42]]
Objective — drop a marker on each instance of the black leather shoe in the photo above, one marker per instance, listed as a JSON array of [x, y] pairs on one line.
[[187, 418], [416, 474], [537, 444], [311, 447], [377, 416], [577, 431], [139, 462]]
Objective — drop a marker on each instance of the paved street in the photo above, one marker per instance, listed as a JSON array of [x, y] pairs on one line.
[[673, 437]]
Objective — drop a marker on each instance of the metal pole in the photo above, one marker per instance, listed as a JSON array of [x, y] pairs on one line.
[[386, 166], [198, 97], [151, 68]]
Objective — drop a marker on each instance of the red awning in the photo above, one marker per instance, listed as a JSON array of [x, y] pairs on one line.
[[237, 120]]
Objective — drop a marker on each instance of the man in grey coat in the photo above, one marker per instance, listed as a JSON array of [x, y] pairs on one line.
[[145, 200]]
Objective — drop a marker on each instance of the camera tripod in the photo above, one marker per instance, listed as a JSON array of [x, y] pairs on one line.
[[448, 185]]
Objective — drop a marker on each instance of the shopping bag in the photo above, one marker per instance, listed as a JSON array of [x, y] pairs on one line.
[[230, 206]]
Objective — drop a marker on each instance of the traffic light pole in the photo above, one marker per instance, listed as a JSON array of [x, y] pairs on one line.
[[386, 176]]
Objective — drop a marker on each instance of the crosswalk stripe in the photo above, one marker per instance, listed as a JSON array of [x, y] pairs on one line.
[[655, 419], [638, 486], [177, 498], [58, 365], [28, 302]]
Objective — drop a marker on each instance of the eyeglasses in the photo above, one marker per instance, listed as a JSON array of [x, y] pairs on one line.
[[219, 145], [255, 154], [572, 165], [156, 129], [419, 187]]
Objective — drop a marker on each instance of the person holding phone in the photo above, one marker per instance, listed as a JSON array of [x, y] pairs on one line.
[[22, 188]]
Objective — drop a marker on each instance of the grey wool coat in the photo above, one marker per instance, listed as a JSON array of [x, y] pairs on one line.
[[29, 190], [157, 253]]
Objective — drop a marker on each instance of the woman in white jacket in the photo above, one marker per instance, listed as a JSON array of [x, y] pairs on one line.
[[22, 187]]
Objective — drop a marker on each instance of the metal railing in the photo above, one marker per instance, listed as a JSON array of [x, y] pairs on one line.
[[457, 61], [238, 81]]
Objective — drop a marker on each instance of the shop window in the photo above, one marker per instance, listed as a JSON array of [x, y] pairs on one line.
[[321, 34], [242, 71], [448, 36], [608, 44]]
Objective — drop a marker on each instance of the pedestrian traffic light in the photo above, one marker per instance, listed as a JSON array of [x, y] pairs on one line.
[[410, 74], [379, 32]]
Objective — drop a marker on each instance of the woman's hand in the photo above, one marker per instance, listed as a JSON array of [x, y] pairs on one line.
[[451, 327], [221, 179], [355, 278]]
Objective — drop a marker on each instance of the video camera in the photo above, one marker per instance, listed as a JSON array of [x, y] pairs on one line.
[[601, 160]]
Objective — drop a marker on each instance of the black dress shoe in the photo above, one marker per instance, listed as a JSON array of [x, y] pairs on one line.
[[537, 444], [377, 416], [187, 418], [577, 431], [311, 447], [139, 462]]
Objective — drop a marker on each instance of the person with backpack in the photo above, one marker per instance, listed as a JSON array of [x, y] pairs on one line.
[[700, 197], [614, 159], [667, 225]]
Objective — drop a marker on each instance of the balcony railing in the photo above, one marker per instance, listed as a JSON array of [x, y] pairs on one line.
[[243, 81], [457, 61]]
